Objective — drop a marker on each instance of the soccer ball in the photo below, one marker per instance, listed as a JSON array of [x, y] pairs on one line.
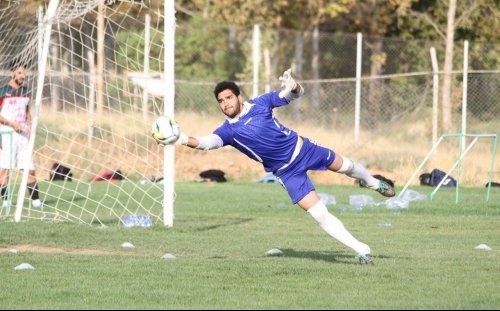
[[165, 130]]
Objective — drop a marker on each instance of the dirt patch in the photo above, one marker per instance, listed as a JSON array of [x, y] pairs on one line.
[[53, 250]]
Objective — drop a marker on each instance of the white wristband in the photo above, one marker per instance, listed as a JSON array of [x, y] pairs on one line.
[[289, 95]]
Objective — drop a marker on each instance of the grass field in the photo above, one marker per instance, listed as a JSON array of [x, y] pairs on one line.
[[425, 258]]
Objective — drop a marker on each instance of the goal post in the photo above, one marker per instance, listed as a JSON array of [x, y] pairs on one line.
[[169, 97], [44, 40], [89, 113], [462, 152]]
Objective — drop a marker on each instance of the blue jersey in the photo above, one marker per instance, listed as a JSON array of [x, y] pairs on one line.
[[258, 134]]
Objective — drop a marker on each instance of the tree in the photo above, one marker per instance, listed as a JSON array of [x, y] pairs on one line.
[[374, 19], [451, 21]]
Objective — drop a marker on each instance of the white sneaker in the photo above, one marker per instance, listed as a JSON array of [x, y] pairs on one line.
[[5, 204], [37, 203]]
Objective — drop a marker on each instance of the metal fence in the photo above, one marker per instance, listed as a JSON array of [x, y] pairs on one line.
[[396, 97], [396, 77]]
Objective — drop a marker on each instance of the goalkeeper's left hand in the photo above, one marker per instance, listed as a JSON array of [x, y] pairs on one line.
[[291, 89], [287, 82]]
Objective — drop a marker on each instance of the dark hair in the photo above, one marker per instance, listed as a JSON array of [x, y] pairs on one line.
[[226, 85], [15, 64]]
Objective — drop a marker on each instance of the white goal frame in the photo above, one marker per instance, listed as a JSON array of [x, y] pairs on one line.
[[86, 65], [169, 97], [44, 39], [460, 156]]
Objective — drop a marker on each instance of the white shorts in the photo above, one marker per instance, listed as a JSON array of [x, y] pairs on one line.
[[15, 155]]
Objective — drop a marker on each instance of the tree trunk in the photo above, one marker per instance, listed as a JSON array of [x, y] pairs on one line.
[[315, 86], [375, 86], [297, 72], [448, 67]]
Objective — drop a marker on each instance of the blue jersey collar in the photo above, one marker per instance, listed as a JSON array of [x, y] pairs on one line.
[[246, 108]]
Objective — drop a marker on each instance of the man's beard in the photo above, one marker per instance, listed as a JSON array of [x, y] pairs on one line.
[[18, 82]]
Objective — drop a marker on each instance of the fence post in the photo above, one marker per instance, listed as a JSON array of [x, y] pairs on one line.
[[435, 94], [256, 59], [464, 92], [147, 45], [358, 87]]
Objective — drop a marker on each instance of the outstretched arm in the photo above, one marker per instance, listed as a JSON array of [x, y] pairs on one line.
[[291, 89], [208, 142]]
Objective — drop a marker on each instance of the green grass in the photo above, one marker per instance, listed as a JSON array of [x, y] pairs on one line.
[[424, 260]]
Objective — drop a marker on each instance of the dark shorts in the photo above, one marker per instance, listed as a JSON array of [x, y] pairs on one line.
[[294, 178]]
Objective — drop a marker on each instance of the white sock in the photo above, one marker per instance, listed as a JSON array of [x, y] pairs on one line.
[[36, 203], [334, 227], [358, 171]]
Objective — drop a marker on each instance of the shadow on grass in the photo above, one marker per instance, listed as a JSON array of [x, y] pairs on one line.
[[231, 222], [332, 257]]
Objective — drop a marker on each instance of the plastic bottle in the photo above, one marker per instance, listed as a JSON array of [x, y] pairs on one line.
[[328, 199], [397, 202], [412, 195], [128, 221], [144, 221], [137, 220], [360, 200]]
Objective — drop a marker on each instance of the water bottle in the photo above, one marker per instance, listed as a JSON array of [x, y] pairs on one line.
[[412, 195], [397, 202], [137, 220], [360, 200], [328, 199], [128, 221], [144, 221], [149, 221]]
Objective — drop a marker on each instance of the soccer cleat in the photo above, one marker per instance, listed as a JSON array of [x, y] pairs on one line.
[[365, 259], [383, 188], [37, 204], [5, 204]]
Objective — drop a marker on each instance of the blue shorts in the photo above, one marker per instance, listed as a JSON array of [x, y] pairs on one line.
[[294, 178]]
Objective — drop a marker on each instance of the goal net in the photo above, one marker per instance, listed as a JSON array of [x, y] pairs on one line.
[[96, 75]]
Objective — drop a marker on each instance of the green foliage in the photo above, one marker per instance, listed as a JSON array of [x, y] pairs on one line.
[[475, 20], [133, 58], [203, 51], [207, 51]]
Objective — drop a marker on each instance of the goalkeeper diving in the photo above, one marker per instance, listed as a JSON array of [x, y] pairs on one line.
[[251, 127]]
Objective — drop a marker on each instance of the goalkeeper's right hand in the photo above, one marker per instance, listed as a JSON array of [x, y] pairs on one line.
[[183, 140]]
